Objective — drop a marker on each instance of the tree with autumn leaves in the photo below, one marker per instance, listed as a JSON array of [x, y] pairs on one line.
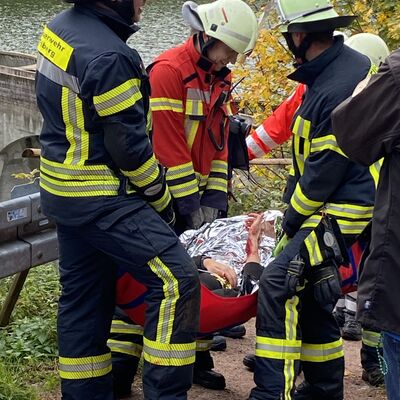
[[265, 84]]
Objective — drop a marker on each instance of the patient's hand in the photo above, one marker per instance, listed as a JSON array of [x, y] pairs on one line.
[[254, 225], [222, 270]]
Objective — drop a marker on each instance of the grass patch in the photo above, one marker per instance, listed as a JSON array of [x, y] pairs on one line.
[[28, 346]]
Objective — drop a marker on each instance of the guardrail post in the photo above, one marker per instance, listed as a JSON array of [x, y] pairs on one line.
[[12, 297]]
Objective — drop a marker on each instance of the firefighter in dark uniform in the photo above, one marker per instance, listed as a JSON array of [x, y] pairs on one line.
[[294, 316], [102, 185]]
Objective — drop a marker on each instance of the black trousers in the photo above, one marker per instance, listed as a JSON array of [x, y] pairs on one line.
[[148, 249], [290, 329]]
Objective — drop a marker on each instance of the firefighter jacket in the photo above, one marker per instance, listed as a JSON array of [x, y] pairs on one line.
[[325, 178], [275, 130], [367, 126], [190, 106], [93, 93]]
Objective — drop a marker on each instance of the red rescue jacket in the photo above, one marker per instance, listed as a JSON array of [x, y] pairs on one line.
[[275, 130], [190, 105]]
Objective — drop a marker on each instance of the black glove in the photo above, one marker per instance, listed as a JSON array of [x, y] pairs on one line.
[[251, 275], [294, 276], [327, 284]]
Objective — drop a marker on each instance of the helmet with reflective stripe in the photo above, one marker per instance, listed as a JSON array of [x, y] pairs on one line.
[[370, 45], [231, 21], [306, 16]]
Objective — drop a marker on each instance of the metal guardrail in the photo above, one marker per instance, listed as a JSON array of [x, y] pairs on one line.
[[27, 239]]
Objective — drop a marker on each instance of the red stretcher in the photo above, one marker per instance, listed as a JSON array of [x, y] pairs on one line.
[[217, 312]]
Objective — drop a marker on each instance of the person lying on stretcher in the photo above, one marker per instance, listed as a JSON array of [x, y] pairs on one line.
[[222, 279]]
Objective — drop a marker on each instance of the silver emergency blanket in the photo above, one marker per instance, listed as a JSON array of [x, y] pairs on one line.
[[225, 239]]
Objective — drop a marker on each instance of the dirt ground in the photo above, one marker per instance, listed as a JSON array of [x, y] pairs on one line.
[[239, 380]]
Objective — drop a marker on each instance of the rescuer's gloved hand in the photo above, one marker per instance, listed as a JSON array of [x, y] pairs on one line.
[[210, 214], [284, 240], [327, 284], [294, 276], [195, 219]]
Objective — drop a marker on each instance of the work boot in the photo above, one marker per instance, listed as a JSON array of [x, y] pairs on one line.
[[249, 361], [373, 376], [218, 343], [209, 379], [235, 332], [303, 391], [351, 328], [203, 373]]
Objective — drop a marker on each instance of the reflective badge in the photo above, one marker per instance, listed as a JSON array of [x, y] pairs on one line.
[[329, 239]]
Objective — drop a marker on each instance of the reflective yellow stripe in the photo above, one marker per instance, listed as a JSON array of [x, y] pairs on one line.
[[55, 49], [79, 189], [184, 189], [118, 99], [160, 204], [168, 304], [299, 158], [180, 171], [124, 347], [279, 349], [327, 142], [166, 104], [85, 367], [373, 70], [372, 339], [203, 345], [119, 326], [313, 249], [351, 211], [302, 127], [322, 352], [219, 166], [147, 173], [201, 179], [191, 128], [169, 354], [194, 107], [291, 322], [302, 204], [77, 136], [353, 227], [77, 173], [375, 170], [217, 184]]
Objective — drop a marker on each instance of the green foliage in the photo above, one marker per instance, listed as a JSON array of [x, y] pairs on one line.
[[12, 387], [32, 338], [260, 191], [28, 346]]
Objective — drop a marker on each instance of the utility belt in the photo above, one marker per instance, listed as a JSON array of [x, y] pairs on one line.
[[320, 256]]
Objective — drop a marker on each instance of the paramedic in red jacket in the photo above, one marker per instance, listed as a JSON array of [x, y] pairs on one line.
[[191, 103]]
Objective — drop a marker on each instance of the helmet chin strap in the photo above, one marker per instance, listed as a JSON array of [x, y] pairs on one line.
[[205, 46], [300, 51], [124, 8]]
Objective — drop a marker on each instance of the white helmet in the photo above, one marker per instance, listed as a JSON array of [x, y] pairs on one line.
[[231, 21], [370, 45]]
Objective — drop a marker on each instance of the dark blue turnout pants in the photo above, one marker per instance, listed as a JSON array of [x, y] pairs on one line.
[[149, 250]]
